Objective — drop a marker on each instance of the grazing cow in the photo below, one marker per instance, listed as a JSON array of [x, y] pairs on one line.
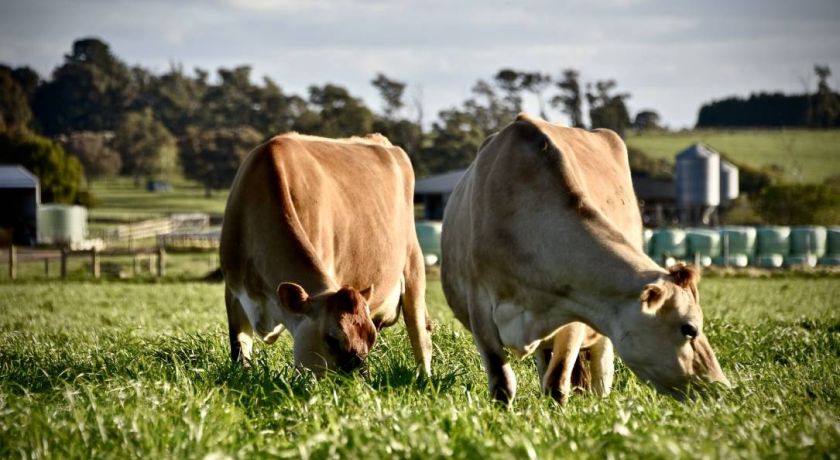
[[543, 230], [318, 238], [560, 363]]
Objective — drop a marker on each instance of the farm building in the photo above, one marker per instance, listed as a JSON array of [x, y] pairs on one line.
[[433, 192], [20, 195]]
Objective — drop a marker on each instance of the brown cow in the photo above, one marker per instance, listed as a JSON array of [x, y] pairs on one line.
[[543, 230], [318, 238]]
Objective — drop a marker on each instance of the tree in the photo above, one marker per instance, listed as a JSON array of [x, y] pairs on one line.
[[14, 106], [826, 101], [490, 112], [455, 141], [570, 100], [391, 92], [90, 92], [607, 110], [536, 83], [335, 113], [647, 120], [61, 176], [800, 204], [145, 146], [510, 81], [178, 99], [212, 157], [94, 152]]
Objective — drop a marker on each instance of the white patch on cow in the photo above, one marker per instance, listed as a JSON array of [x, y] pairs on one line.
[[266, 317], [514, 324]]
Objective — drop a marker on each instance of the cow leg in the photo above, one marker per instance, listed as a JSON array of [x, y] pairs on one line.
[[557, 380], [416, 315], [542, 357], [602, 366], [239, 331]]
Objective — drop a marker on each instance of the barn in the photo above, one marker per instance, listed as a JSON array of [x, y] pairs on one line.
[[20, 195]]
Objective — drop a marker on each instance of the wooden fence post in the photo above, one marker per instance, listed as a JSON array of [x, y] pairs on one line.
[[94, 263], [161, 261], [64, 254], [12, 261]]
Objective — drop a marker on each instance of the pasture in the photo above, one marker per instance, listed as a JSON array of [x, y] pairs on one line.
[[806, 155], [131, 370]]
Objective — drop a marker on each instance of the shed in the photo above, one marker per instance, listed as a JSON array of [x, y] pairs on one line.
[[433, 192], [20, 195]]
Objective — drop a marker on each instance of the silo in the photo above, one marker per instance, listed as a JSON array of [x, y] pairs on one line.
[[697, 184], [728, 182], [62, 225]]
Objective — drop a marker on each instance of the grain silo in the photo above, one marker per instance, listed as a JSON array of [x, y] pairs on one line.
[[728, 182], [698, 184]]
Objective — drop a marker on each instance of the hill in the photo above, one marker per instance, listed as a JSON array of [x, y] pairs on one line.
[[806, 155]]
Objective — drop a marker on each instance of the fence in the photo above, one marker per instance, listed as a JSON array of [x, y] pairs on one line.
[[17, 255]]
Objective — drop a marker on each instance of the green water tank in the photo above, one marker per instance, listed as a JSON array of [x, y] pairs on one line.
[[772, 240], [648, 234], [60, 224], [832, 249], [428, 234], [807, 240], [736, 240], [667, 242], [702, 242]]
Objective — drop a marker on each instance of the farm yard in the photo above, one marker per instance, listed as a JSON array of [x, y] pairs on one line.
[[130, 370]]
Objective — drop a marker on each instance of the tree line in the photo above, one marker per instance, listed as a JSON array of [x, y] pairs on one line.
[[820, 109], [116, 119]]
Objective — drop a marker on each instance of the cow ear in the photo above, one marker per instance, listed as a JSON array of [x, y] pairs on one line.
[[684, 276], [367, 293], [653, 296], [293, 297]]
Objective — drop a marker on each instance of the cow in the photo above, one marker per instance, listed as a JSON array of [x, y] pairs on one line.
[[544, 230], [561, 366], [318, 239]]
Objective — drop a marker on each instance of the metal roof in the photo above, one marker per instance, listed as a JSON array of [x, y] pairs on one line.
[[16, 176], [439, 184], [697, 151]]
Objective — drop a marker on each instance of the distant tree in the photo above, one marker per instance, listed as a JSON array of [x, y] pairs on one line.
[[28, 80], [61, 176], [646, 166], [536, 83], [334, 113], [90, 92], [14, 106], [510, 82], [570, 99], [491, 113], [607, 110], [800, 204], [826, 101], [759, 110], [454, 142], [212, 157], [94, 152], [646, 120], [145, 146], [391, 92], [178, 99]]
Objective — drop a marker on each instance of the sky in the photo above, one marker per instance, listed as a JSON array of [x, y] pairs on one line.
[[670, 55]]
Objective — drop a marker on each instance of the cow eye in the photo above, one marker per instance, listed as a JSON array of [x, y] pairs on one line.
[[689, 330]]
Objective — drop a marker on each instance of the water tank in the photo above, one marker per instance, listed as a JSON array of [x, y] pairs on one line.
[[62, 224], [647, 234], [698, 177], [737, 245], [667, 242], [728, 182], [428, 234], [772, 245], [702, 245], [832, 249]]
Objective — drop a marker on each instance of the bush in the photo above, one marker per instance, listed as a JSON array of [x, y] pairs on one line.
[[61, 176], [800, 204], [94, 152]]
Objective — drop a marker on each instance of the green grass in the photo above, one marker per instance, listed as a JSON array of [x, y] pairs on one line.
[[122, 370], [119, 199], [805, 155]]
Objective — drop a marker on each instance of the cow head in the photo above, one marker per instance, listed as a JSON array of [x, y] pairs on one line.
[[336, 332], [661, 336]]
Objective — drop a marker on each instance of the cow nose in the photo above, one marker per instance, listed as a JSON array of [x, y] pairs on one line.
[[350, 363]]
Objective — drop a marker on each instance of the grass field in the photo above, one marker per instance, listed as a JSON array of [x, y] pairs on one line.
[[805, 155], [131, 370], [119, 199]]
